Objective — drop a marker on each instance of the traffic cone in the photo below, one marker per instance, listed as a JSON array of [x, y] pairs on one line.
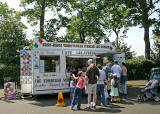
[[60, 101]]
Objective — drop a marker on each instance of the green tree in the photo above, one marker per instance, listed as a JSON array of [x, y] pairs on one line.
[[36, 14], [126, 49], [115, 17], [155, 52], [84, 25], [12, 40], [140, 13]]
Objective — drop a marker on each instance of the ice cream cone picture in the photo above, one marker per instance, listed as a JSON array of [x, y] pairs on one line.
[[60, 101]]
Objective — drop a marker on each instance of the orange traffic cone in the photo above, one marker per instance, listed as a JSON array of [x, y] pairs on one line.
[[60, 101]]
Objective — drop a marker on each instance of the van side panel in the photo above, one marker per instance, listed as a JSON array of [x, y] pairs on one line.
[[26, 71], [49, 82]]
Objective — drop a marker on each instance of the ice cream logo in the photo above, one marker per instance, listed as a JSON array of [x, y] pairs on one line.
[[9, 88]]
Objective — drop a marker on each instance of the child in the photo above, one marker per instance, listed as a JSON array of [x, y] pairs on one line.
[[78, 90], [114, 89], [72, 87]]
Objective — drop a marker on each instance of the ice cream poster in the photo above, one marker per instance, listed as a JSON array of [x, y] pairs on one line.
[[9, 90]]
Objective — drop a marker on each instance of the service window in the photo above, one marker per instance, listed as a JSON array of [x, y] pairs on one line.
[[49, 64]]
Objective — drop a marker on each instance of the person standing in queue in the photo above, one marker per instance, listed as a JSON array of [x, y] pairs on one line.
[[116, 69], [92, 74], [78, 91], [100, 85], [124, 78]]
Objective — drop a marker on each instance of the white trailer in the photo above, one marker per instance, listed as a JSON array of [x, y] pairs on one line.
[[43, 69]]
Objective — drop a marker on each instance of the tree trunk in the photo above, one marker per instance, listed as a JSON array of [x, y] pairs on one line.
[[117, 38], [82, 37], [147, 41], [43, 6]]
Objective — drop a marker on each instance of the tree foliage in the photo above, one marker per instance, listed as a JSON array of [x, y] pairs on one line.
[[126, 49], [140, 13], [12, 40], [36, 14], [85, 24]]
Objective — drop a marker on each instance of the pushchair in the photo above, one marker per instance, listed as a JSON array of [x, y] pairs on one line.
[[149, 92]]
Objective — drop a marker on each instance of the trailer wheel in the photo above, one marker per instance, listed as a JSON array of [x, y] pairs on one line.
[[19, 95]]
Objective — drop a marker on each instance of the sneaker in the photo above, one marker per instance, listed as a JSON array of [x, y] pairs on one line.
[[87, 108], [72, 107], [94, 107], [78, 108]]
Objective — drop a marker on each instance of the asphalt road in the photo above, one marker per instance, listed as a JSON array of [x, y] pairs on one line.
[[46, 104]]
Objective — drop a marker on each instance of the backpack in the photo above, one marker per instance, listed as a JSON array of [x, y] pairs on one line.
[[115, 85]]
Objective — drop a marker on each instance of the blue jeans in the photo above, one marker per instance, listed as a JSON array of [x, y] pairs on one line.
[[77, 92], [100, 88], [118, 81]]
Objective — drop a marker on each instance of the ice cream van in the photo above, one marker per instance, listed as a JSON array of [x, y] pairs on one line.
[[47, 68]]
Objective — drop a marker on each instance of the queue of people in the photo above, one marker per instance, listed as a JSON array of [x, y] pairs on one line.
[[109, 82]]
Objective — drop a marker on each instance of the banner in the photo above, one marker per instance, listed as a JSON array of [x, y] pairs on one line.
[[9, 90]]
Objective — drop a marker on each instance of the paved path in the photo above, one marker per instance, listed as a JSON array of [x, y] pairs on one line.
[[46, 104]]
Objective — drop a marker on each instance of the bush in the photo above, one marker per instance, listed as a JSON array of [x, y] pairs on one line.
[[138, 69]]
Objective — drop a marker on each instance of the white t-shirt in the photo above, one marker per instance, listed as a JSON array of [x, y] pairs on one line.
[[117, 70], [71, 84], [101, 78]]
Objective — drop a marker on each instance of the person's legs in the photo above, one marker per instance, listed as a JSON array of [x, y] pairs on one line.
[[71, 96], [94, 87], [79, 91], [125, 88], [102, 94], [74, 97], [98, 94], [118, 81], [89, 94], [89, 99]]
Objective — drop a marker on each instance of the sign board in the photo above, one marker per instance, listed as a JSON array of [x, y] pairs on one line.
[[80, 47], [9, 90]]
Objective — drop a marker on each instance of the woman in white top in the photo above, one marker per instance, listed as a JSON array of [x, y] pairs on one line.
[[100, 85]]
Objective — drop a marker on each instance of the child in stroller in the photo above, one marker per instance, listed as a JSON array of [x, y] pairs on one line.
[[147, 93]]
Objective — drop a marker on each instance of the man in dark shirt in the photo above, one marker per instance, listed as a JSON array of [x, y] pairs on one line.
[[92, 75]]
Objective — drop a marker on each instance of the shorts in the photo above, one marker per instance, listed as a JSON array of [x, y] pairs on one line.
[[72, 90], [91, 89]]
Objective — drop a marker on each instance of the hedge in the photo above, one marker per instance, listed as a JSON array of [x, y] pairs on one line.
[[138, 69]]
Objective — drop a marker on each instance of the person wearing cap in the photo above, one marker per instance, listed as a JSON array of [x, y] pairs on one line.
[[107, 70], [116, 69], [92, 75]]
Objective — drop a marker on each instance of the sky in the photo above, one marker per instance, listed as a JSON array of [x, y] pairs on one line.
[[135, 34]]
